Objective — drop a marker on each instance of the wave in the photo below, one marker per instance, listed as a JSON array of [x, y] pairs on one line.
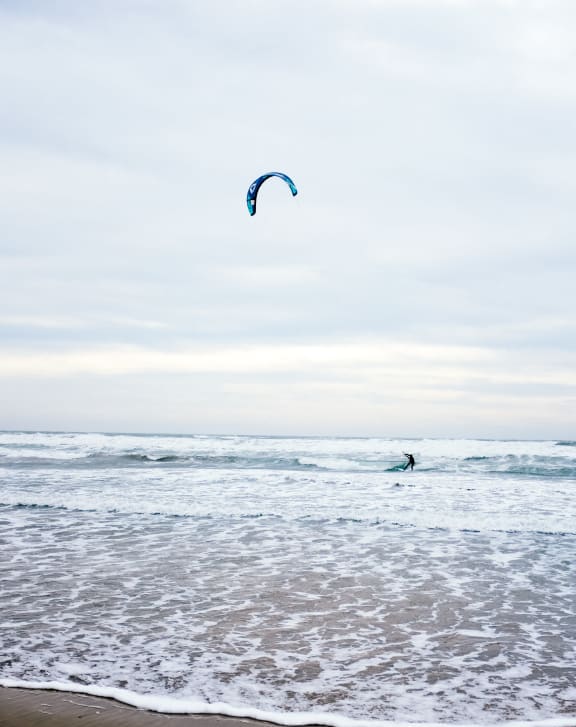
[[545, 467], [507, 465], [99, 460], [170, 705], [546, 460], [369, 521]]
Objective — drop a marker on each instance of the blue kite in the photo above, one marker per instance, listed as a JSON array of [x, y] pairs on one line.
[[257, 183]]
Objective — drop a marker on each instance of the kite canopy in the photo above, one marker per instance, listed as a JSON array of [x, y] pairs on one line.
[[257, 183]]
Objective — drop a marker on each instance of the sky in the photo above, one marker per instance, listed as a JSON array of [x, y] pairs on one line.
[[421, 284]]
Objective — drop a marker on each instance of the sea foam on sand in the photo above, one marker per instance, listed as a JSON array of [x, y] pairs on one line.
[[168, 705]]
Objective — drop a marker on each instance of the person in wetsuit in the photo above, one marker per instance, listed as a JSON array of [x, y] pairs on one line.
[[410, 462]]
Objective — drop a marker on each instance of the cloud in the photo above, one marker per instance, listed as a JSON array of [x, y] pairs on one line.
[[355, 387], [432, 145], [71, 322], [383, 363]]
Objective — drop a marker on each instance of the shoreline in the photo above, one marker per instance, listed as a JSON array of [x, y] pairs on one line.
[[23, 707]]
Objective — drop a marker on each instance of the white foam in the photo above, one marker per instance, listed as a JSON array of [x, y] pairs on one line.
[[168, 705], [465, 502]]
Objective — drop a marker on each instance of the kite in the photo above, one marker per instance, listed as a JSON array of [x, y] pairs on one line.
[[257, 183]]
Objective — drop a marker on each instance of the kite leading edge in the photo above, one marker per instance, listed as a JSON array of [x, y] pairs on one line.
[[257, 183]]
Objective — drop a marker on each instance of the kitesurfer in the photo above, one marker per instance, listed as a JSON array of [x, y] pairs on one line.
[[410, 462]]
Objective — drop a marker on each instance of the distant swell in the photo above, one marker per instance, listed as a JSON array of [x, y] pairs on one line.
[[531, 466], [135, 459]]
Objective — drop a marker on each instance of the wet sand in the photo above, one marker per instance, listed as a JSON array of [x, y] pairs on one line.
[[40, 708]]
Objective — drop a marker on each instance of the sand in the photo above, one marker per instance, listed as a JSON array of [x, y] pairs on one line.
[[31, 707]]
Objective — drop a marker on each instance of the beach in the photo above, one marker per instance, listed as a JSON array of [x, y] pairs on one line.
[[294, 580], [47, 708]]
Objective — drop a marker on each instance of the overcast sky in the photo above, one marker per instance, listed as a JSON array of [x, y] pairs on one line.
[[422, 283]]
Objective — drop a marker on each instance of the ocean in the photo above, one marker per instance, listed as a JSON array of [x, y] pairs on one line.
[[294, 579]]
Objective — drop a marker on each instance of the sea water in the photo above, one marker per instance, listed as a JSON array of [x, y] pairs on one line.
[[296, 579]]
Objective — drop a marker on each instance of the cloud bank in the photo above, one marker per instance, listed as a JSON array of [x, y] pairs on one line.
[[421, 282]]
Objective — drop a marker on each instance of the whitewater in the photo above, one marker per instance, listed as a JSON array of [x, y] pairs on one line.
[[299, 580]]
